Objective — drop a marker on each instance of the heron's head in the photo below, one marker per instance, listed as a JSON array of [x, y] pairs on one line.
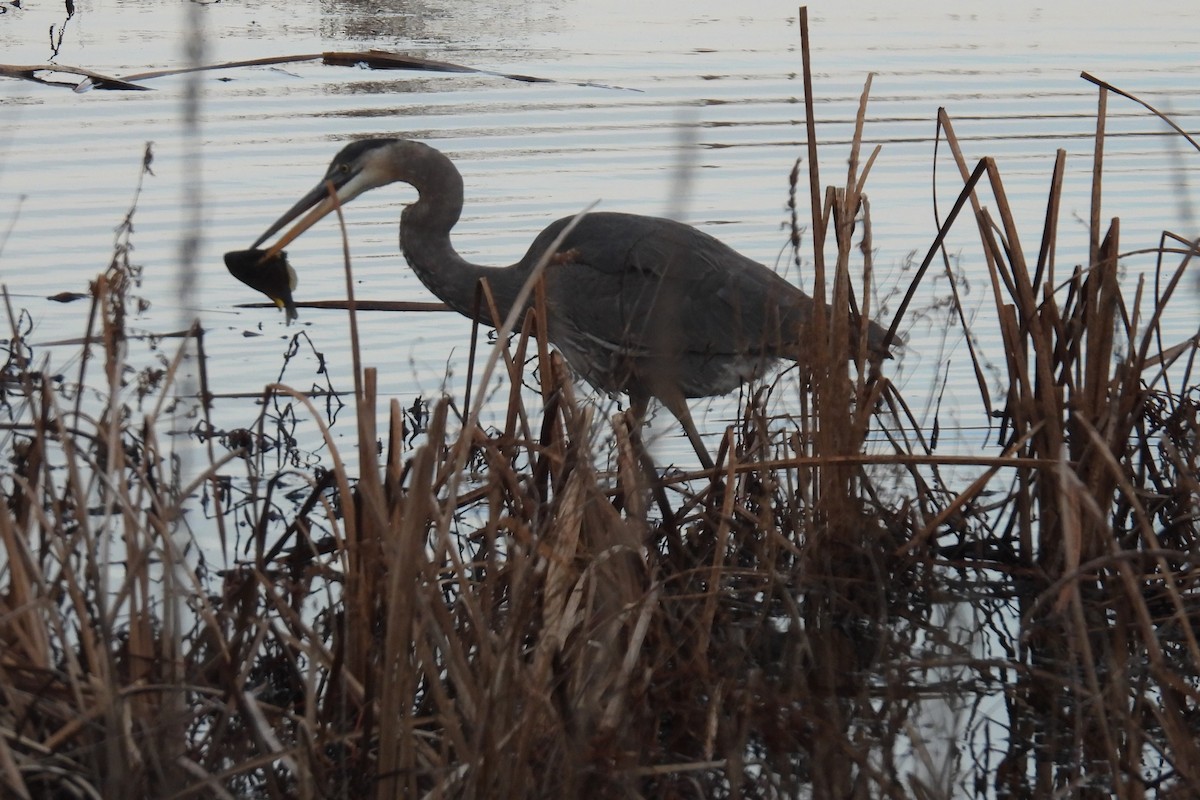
[[359, 167]]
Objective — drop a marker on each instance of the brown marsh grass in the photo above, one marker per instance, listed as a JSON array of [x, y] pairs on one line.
[[490, 613]]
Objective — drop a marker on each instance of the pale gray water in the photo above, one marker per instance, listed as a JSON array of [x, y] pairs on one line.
[[533, 152]]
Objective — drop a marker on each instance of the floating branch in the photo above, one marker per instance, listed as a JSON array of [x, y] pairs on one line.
[[370, 59], [361, 305], [41, 74]]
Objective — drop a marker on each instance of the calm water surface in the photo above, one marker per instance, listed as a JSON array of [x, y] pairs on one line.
[[718, 93]]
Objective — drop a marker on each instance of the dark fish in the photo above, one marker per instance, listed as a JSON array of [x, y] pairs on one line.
[[274, 276]]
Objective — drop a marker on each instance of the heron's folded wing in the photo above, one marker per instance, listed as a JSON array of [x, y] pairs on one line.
[[654, 285]]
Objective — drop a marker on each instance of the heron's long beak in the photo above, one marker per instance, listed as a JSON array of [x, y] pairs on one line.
[[321, 200]]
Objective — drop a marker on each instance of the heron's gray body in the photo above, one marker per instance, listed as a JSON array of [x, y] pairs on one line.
[[639, 302], [646, 306]]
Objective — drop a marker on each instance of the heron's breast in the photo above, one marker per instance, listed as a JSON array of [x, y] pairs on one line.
[[621, 367]]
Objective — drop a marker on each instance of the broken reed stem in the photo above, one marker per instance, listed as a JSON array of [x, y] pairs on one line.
[[814, 178], [1097, 178]]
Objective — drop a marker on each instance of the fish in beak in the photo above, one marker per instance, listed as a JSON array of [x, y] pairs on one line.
[[353, 171], [268, 270], [270, 274]]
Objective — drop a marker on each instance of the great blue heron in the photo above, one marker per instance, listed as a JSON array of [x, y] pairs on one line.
[[641, 305]]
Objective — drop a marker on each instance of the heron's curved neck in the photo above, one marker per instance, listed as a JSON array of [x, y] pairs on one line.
[[425, 240]]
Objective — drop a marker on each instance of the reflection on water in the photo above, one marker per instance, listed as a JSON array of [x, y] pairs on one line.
[[500, 29]]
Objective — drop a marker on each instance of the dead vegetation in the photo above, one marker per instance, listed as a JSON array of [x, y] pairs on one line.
[[492, 614]]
